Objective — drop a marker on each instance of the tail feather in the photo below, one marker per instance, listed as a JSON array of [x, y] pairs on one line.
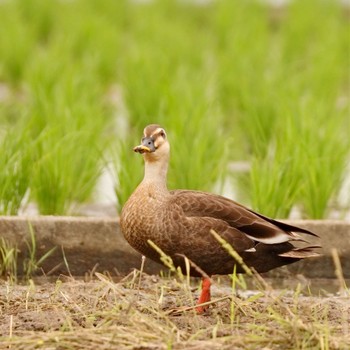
[[284, 226], [302, 253]]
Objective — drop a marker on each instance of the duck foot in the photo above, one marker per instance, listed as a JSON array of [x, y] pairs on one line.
[[205, 295], [183, 309]]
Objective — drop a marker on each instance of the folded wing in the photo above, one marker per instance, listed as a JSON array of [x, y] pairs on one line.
[[255, 226]]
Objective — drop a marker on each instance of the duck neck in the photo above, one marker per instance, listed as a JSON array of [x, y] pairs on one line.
[[156, 172]]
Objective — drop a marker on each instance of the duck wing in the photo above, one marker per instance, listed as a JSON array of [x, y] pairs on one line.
[[255, 226]]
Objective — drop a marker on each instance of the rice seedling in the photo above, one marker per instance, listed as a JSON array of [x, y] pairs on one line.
[[276, 178], [307, 172], [288, 146], [9, 262], [128, 168], [13, 58], [40, 17], [195, 124], [31, 264], [66, 174], [324, 157], [69, 122], [154, 57], [15, 164], [245, 75], [94, 38], [245, 82]]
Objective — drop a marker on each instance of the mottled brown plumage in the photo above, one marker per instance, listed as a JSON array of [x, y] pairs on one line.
[[179, 222]]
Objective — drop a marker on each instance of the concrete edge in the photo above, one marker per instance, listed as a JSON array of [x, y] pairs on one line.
[[96, 243]]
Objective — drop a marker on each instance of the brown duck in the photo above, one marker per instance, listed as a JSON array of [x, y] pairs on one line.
[[179, 222]]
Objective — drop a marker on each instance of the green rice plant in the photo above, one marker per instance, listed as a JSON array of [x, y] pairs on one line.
[[144, 79], [155, 50], [38, 16], [11, 111], [272, 192], [8, 260], [16, 46], [303, 39], [65, 172], [243, 69], [68, 115], [128, 168], [304, 167], [16, 168], [245, 81], [194, 122], [306, 47], [31, 263], [275, 179], [10, 256], [69, 121], [325, 153], [323, 108], [290, 148], [94, 37]]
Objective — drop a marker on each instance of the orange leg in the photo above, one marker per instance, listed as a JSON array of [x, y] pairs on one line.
[[205, 295]]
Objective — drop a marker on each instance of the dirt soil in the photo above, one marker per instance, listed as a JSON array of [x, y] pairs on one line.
[[150, 312]]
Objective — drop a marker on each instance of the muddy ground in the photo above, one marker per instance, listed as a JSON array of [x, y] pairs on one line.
[[150, 312]]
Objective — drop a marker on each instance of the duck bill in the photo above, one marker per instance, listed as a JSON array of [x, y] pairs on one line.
[[142, 149], [147, 146]]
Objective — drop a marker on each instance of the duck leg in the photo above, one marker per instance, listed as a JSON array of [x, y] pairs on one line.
[[205, 295]]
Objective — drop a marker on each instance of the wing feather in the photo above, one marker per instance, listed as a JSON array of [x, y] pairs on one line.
[[255, 226]]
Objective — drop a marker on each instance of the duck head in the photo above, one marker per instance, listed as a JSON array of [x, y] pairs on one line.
[[154, 143]]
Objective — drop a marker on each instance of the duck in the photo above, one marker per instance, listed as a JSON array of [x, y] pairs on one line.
[[181, 224]]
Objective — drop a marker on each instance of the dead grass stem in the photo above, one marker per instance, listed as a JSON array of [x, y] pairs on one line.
[[130, 314]]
